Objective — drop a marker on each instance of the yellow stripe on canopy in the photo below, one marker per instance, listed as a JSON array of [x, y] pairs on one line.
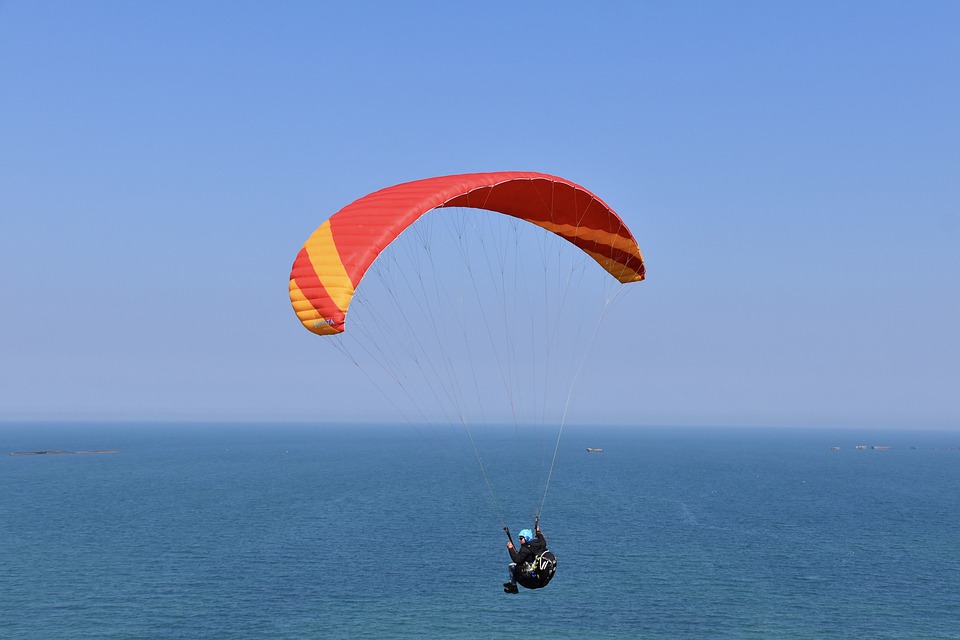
[[323, 254]]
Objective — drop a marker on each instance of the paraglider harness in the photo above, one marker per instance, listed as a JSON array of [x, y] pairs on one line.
[[536, 573]]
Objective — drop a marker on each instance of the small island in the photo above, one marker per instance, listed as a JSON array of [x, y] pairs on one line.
[[60, 451]]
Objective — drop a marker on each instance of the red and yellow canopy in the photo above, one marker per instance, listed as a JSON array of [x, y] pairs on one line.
[[335, 258]]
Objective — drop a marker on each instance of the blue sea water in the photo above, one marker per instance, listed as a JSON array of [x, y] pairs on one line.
[[294, 531]]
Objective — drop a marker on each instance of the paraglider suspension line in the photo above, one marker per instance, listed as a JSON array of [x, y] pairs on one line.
[[483, 472], [566, 408]]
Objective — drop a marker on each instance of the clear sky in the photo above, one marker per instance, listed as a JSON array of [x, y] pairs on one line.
[[790, 169]]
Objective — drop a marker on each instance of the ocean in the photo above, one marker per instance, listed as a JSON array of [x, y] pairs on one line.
[[364, 531]]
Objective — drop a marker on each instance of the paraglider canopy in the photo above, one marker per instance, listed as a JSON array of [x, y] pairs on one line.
[[335, 258]]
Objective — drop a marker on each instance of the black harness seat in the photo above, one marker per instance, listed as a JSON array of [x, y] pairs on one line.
[[536, 574]]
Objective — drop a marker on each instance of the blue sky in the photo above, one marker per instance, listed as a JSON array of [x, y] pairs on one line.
[[790, 169]]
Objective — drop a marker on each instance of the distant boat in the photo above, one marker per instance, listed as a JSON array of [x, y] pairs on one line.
[[589, 450]]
